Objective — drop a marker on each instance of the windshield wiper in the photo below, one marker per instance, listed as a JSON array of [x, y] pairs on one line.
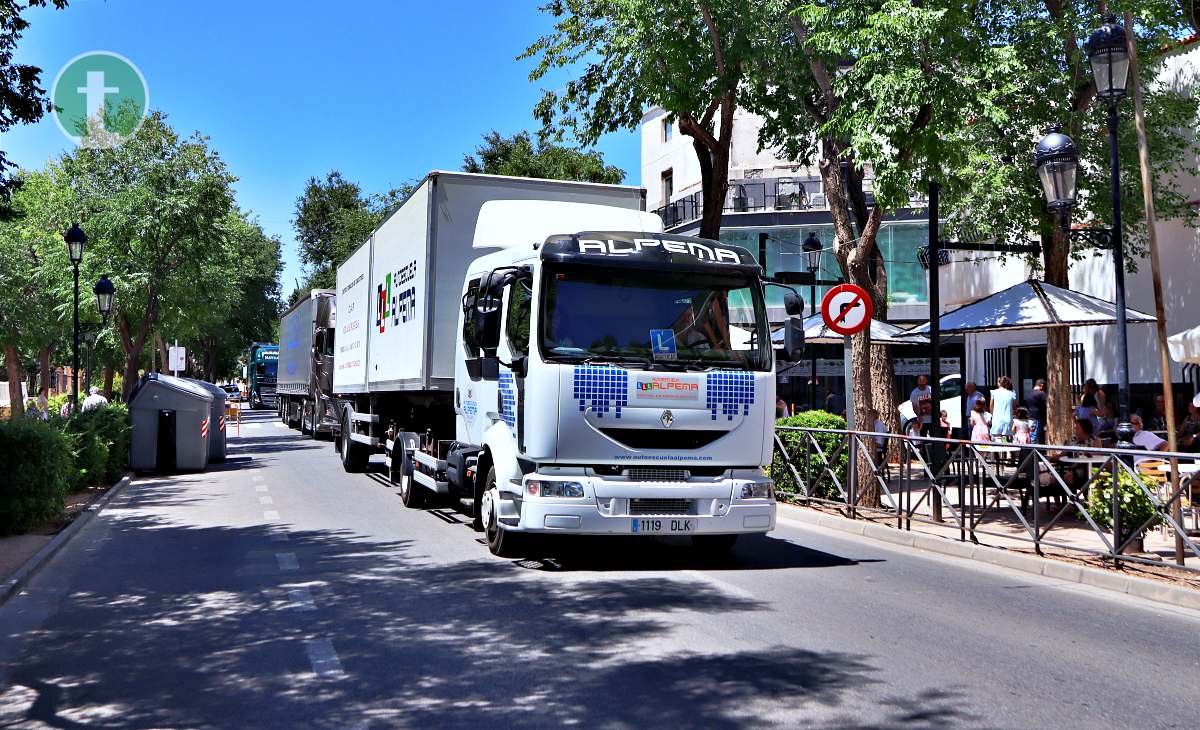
[[584, 359]]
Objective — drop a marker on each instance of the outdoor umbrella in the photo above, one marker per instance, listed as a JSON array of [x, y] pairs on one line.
[[882, 333], [1029, 305], [1185, 346]]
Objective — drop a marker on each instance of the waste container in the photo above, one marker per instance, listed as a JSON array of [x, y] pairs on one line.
[[171, 420], [216, 421]]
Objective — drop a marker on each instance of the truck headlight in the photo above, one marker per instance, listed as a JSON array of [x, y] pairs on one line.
[[545, 488], [757, 490]]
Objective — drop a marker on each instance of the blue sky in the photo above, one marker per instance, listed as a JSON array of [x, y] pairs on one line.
[[383, 91]]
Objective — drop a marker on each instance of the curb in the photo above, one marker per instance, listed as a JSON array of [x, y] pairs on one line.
[[1144, 588], [22, 576]]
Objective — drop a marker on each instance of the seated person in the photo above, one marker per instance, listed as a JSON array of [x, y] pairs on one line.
[[1145, 440], [1075, 475], [1189, 430]]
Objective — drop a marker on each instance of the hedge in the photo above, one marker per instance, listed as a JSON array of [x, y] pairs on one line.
[[797, 445], [100, 443], [38, 469]]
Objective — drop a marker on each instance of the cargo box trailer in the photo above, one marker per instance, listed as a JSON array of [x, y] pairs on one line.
[[306, 342]]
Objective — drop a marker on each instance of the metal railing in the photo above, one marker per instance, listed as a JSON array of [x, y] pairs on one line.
[[985, 487]]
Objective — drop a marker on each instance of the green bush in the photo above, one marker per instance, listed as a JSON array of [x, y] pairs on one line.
[[797, 444], [100, 443], [37, 468], [1134, 504], [57, 401]]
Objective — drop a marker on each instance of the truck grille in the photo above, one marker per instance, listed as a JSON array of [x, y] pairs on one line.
[[657, 475], [662, 438], [660, 506]]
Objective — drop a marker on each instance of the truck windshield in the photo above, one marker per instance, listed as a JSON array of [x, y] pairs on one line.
[[664, 319], [268, 370]]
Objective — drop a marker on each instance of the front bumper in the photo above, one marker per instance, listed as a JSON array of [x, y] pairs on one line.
[[612, 507]]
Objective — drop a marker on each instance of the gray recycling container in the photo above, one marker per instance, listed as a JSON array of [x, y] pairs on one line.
[[171, 420], [216, 422]]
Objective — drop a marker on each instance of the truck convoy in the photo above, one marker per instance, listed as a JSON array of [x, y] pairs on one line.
[[261, 362], [306, 334], [542, 355]]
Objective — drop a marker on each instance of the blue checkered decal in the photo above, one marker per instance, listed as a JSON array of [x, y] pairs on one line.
[[602, 388], [508, 399], [728, 389]]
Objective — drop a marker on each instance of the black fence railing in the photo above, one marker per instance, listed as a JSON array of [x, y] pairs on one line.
[[998, 489]]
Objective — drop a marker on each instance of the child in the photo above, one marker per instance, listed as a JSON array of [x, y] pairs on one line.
[[979, 422], [1022, 426]]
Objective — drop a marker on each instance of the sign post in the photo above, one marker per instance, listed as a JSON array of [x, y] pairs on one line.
[[847, 310], [177, 356]]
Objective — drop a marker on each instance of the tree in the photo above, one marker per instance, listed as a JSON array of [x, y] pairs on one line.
[[22, 99], [156, 209], [517, 156], [688, 58]]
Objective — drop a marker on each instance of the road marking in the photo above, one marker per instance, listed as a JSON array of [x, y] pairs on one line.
[[265, 500], [323, 658], [270, 515], [260, 488], [302, 599], [287, 561]]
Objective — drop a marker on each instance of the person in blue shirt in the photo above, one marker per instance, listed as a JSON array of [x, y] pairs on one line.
[[1002, 407]]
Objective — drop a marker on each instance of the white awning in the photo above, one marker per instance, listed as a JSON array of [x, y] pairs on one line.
[[1031, 304], [882, 333], [1185, 346]]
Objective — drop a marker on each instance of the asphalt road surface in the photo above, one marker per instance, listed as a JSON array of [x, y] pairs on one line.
[[278, 591]]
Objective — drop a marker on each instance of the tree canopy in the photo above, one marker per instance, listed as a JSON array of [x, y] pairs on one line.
[[518, 156]]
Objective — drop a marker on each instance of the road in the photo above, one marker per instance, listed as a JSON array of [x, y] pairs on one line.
[[278, 591]]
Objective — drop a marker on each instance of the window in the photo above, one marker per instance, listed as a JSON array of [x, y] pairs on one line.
[[668, 186], [668, 130], [520, 298], [468, 333]]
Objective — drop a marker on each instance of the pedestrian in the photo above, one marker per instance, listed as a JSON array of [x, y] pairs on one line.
[[973, 394], [1035, 404], [980, 431], [1089, 404], [1189, 430], [1144, 439], [94, 400], [921, 400], [1002, 407], [1022, 427], [781, 409]]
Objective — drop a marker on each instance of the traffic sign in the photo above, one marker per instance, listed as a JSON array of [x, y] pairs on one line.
[[177, 357], [847, 309]]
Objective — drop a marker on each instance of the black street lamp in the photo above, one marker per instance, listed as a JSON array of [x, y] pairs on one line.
[[812, 259], [1056, 160], [76, 240], [104, 291], [1106, 51]]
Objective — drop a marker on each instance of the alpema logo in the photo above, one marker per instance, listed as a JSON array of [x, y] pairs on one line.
[[100, 99]]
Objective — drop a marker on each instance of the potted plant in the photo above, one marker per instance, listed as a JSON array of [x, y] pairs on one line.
[[1134, 505]]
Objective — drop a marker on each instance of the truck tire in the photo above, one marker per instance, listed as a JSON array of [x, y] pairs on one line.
[[713, 545], [354, 458], [500, 542], [411, 494], [305, 426]]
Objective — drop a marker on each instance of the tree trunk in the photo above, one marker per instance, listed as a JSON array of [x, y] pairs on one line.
[[108, 382], [16, 397], [164, 360], [1060, 405], [44, 366], [132, 348]]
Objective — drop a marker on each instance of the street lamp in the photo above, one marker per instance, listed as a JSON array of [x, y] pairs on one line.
[[76, 240], [1109, 58], [812, 259], [104, 291], [1056, 160]]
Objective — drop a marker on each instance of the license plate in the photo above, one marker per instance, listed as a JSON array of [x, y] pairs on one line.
[[664, 526]]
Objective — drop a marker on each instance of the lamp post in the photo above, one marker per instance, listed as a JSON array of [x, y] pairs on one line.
[[1109, 59], [104, 291], [812, 259], [76, 239]]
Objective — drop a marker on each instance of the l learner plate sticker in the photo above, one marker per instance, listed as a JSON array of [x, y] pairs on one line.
[[662, 344], [663, 526]]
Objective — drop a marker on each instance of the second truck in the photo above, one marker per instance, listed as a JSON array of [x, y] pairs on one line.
[[542, 355]]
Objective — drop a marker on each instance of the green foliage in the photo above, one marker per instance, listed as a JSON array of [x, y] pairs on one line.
[[517, 156], [35, 459], [56, 402], [798, 448], [1135, 505], [99, 442]]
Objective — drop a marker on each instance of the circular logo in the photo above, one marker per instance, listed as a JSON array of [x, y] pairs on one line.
[[100, 99], [846, 309]]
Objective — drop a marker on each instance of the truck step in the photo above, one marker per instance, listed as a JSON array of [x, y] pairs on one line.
[[364, 417]]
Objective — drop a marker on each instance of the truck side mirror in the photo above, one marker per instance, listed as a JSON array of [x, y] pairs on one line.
[[793, 339], [793, 305], [489, 367]]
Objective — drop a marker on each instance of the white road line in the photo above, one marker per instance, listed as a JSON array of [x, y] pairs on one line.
[[260, 488], [287, 561], [265, 500], [323, 658], [270, 515], [302, 599], [279, 537]]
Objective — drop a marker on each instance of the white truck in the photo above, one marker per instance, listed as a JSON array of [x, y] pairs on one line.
[[541, 354]]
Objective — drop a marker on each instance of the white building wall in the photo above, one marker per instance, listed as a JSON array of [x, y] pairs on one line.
[[658, 156]]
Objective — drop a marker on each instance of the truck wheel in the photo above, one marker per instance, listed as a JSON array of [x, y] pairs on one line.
[[501, 542], [305, 428], [713, 545], [411, 493], [354, 459]]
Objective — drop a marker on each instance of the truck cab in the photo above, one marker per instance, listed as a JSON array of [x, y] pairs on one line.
[[616, 383]]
